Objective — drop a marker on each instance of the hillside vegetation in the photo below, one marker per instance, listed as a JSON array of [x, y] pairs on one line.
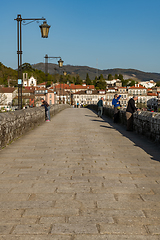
[[93, 72], [75, 74]]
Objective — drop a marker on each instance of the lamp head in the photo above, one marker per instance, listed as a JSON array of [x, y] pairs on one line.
[[60, 62], [44, 29]]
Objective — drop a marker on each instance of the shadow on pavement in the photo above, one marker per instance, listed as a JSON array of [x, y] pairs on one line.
[[151, 148], [105, 126], [89, 116]]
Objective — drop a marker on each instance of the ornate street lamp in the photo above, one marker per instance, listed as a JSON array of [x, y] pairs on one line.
[[60, 63], [44, 31]]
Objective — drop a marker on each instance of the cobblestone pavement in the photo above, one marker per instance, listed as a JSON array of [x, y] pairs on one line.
[[80, 177]]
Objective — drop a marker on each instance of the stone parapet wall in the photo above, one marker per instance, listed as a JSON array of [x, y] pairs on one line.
[[148, 124], [145, 123], [14, 124]]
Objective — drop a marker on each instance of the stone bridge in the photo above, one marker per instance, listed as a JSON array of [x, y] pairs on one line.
[[78, 177]]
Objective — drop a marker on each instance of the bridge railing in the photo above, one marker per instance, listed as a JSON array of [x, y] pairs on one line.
[[145, 122], [14, 124]]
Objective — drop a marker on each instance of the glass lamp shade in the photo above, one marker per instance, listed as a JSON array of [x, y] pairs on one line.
[[60, 62], [44, 29]]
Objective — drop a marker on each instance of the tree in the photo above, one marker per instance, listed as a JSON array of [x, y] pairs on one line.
[[120, 77], [101, 77], [116, 76], [88, 80], [27, 66], [158, 84], [100, 84], [110, 77], [132, 83], [125, 83], [78, 81], [94, 81]]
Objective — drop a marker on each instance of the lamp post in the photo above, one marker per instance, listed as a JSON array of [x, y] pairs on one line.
[[44, 32], [60, 63]]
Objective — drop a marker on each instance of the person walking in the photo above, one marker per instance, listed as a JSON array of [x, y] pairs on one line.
[[100, 107], [116, 104], [47, 109], [131, 108]]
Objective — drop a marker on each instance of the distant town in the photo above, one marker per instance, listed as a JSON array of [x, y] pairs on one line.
[[58, 93], [79, 94]]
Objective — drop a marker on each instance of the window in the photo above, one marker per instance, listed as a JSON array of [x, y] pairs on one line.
[[50, 95]]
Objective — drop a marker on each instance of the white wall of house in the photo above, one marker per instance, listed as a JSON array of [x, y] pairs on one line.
[[6, 98]]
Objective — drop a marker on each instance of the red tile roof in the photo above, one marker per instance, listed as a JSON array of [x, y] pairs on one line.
[[137, 87], [73, 87], [7, 89], [151, 94]]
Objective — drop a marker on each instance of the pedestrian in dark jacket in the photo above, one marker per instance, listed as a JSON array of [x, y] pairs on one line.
[[47, 109], [100, 107], [131, 108]]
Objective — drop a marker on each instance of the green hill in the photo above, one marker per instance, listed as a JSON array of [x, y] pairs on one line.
[[37, 70], [93, 72], [7, 74]]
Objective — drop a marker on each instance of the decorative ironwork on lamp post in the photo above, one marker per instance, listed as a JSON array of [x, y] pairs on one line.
[[44, 33]]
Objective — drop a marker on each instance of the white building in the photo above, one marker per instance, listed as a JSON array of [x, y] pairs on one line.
[[140, 91], [31, 82], [7, 94], [148, 84], [124, 96], [114, 83], [88, 96]]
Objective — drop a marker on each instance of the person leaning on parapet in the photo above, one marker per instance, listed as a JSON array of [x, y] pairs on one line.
[[100, 107], [131, 108], [116, 104], [47, 109]]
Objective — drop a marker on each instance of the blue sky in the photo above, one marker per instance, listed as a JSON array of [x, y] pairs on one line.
[[96, 33]]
